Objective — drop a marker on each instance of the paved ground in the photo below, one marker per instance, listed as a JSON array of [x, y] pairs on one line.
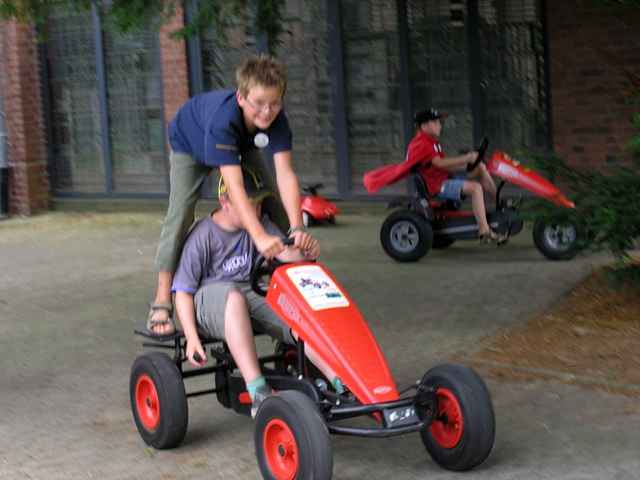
[[74, 284]]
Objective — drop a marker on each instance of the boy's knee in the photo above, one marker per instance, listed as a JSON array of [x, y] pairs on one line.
[[473, 187], [236, 297]]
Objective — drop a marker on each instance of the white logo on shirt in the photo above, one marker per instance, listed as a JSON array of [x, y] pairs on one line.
[[437, 147], [235, 263]]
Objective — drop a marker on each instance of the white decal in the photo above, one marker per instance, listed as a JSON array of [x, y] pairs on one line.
[[316, 287], [382, 389], [234, 263]]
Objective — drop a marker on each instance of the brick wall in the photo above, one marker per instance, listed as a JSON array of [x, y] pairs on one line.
[[175, 72], [592, 52], [20, 88]]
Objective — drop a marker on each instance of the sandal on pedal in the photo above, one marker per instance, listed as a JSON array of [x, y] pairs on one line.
[[153, 323], [491, 236]]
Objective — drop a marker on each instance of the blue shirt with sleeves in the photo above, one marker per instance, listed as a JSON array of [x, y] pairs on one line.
[[210, 127]]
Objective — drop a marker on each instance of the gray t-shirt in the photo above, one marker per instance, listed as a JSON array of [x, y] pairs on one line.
[[211, 254]]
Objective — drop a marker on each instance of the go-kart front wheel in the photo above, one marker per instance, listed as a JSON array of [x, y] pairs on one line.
[[555, 240], [406, 236], [292, 439], [158, 400], [462, 432]]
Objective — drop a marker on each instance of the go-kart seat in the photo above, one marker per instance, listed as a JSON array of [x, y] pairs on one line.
[[423, 192]]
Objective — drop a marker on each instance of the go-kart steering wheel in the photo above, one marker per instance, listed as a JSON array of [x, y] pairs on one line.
[[482, 149], [262, 269]]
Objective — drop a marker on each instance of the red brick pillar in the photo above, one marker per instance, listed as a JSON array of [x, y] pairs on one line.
[[594, 52], [175, 71], [21, 92]]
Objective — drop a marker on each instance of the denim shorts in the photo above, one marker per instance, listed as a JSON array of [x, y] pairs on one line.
[[452, 189]]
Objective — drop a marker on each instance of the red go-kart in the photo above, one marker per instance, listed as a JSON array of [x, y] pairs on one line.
[[315, 208], [422, 222], [449, 407]]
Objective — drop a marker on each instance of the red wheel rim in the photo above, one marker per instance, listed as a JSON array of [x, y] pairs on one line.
[[147, 402], [448, 426], [280, 450]]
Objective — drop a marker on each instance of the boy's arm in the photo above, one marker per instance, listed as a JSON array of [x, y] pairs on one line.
[[268, 245], [455, 163], [186, 313], [289, 189]]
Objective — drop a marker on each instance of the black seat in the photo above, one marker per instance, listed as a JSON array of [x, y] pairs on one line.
[[419, 183]]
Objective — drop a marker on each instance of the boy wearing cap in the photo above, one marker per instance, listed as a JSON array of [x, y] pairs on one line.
[[445, 177], [221, 129], [212, 286]]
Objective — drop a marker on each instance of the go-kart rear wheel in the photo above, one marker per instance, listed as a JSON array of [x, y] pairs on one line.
[[292, 439], [462, 433], [406, 236], [158, 400], [555, 240]]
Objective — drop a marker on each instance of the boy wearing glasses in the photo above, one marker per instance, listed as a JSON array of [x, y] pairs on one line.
[[224, 129]]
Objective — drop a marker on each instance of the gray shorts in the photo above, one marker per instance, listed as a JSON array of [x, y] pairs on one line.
[[211, 301]]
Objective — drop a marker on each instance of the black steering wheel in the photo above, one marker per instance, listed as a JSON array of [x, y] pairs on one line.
[[482, 149], [262, 269]]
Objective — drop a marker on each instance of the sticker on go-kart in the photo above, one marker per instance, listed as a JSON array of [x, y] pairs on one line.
[[316, 287]]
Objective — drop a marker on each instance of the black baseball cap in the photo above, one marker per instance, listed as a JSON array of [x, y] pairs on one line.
[[426, 115], [253, 185]]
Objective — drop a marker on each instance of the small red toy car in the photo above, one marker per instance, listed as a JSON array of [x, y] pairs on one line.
[[449, 406], [316, 208]]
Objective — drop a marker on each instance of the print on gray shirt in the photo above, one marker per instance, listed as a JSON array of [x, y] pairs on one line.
[[211, 254]]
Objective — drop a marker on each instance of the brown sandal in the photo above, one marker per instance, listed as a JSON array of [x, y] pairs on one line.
[[491, 236], [152, 323]]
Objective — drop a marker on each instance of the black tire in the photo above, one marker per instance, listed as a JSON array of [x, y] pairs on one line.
[[440, 242], [463, 432], [292, 439], [556, 240], [406, 236], [158, 400]]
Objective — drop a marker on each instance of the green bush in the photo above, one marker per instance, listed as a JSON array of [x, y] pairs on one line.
[[607, 211]]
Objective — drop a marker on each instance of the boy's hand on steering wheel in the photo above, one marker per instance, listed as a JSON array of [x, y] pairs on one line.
[[308, 245], [269, 245]]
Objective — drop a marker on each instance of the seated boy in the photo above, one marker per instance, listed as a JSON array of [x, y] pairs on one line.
[[443, 174], [212, 288]]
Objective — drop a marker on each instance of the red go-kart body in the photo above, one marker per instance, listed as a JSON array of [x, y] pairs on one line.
[[502, 166], [312, 302]]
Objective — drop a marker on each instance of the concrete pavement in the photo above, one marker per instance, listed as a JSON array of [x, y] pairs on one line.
[[74, 284]]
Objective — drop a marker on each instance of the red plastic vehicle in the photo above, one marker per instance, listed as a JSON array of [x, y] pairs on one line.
[[315, 208], [422, 222], [449, 407]]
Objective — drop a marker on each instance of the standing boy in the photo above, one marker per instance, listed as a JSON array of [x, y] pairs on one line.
[[221, 129]]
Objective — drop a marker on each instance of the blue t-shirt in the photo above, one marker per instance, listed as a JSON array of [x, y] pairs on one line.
[[211, 254], [211, 129]]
